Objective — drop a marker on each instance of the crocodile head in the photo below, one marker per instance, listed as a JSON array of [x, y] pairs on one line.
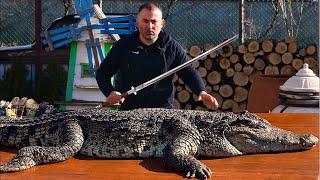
[[256, 135]]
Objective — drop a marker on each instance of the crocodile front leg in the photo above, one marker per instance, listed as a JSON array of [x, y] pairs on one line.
[[178, 156], [180, 153], [71, 139]]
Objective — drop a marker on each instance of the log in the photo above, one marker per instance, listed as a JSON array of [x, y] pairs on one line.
[[234, 58], [208, 46], [216, 87], [183, 96], [238, 67], [202, 71], [248, 58], [297, 63], [311, 49], [310, 61], [267, 46], [287, 70], [302, 52], [240, 94], [208, 88], [195, 51], [188, 106], [259, 64], [214, 77], [274, 58], [230, 72], [200, 108], [239, 108], [289, 39], [179, 88], [228, 104], [271, 70], [258, 53], [240, 78], [242, 49], [176, 104], [196, 64], [293, 47], [247, 69], [254, 74], [226, 90], [188, 89], [253, 46], [287, 58], [208, 64], [205, 82], [226, 51], [281, 47], [316, 70], [224, 63]]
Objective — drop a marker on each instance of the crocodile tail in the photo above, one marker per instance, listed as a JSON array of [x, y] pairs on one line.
[[71, 140]]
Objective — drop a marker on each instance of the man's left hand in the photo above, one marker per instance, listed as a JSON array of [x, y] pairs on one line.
[[208, 100]]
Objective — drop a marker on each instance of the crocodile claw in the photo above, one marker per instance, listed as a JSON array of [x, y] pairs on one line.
[[199, 170]]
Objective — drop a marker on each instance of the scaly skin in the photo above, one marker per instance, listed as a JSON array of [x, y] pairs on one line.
[[179, 136]]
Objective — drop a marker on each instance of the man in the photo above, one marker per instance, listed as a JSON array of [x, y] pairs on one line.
[[142, 56]]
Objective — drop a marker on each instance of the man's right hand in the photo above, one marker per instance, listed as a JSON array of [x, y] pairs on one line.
[[114, 98]]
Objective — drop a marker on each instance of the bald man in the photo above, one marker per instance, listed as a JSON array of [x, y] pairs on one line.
[[148, 53]]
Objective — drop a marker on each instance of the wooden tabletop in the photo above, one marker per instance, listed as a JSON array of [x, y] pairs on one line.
[[296, 165]]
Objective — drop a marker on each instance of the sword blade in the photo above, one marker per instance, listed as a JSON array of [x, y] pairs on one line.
[[134, 90]]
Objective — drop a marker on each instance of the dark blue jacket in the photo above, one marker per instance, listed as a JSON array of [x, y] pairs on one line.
[[137, 63]]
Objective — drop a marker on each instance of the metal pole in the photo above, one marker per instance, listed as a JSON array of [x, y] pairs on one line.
[[37, 30]]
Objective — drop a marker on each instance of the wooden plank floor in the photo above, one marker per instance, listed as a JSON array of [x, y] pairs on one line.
[[297, 165]]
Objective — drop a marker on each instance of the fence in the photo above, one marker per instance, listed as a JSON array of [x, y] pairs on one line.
[[189, 21]]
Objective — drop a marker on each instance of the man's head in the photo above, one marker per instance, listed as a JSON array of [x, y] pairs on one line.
[[149, 22]]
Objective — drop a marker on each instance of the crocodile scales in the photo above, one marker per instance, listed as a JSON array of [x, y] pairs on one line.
[[176, 135]]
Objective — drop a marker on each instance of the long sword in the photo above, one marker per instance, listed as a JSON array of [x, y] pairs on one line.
[[134, 90]]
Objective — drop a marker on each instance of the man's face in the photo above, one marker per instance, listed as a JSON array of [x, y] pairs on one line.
[[149, 24]]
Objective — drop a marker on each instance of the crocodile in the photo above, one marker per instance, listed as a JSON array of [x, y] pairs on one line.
[[178, 136]]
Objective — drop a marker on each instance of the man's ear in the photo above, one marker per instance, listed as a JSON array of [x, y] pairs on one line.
[[163, 22]]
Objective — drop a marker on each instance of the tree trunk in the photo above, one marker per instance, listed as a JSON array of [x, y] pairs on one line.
[[208, 64], [240, 94], [287, 70], [230, 72], [293, 47], [248, 58], [183, 96], [311, 50], [259, 64], [214, 77], [287, 58], [226, 90], [271, 70], [195, 51], [267, 46], [281, 47], [234, 58], [253, 46], [274, 58], [224, 63], [242, 49], [240, 78], [297, 64], [248, 70]]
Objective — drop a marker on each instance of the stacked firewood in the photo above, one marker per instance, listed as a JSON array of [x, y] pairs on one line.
[[228, 73]]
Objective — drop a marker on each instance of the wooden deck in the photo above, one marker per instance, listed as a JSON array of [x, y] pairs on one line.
[[297, 165]]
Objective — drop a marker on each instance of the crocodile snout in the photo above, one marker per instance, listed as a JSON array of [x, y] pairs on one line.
[[309, 140]]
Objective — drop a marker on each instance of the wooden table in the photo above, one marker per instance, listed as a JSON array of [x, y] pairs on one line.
[[297, 165]]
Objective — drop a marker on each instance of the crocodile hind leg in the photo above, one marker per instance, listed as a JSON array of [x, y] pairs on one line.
[[70, 138]]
